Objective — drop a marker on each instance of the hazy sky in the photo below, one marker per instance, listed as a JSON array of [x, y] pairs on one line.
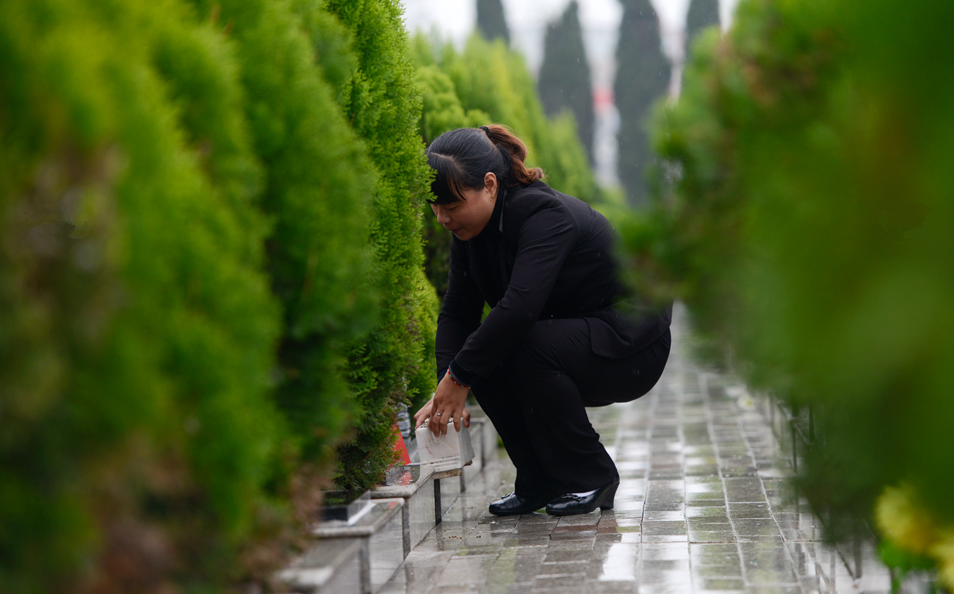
[[527, 21]]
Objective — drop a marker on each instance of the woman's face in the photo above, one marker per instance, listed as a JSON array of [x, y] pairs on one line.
[[467, 218]]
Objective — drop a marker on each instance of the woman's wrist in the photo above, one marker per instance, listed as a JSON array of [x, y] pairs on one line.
[[460, 384], [461, 374]]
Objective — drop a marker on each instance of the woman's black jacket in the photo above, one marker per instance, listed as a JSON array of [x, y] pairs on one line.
[[542, 255]]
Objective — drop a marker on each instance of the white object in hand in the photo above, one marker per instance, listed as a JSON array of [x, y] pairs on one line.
[[448, 452]]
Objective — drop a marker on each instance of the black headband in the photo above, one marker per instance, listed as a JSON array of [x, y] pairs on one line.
[[486, 130]]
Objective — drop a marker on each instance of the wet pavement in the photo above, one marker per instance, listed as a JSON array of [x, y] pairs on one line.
[[703, 506]]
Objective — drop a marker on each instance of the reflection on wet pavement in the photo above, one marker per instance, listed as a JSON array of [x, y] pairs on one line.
[[703, 506]]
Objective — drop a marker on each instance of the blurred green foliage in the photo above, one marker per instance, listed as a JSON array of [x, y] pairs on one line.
[[442, 111], [912, 539], [392, 364], [138, 329], [810, 230], [702, 14], [316, 194]]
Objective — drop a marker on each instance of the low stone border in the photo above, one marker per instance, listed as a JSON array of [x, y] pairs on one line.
[[419, 503], [379, 534], [328, 567], [360, 557]]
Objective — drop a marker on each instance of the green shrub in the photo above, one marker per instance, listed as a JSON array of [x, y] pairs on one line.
[[809, 230], [442, 110], [138, 329], [151, 437], [317, 179], [389, 365]]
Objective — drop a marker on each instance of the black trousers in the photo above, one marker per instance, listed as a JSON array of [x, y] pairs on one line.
[[537, 398]]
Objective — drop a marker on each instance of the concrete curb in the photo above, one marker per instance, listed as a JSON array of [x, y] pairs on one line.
[[360, 557]]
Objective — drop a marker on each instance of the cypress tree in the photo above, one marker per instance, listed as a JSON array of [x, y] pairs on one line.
[[316, 193], [702, 14], [564, 79], [138, 329], [491, 21], [807, 239], [642, 76], [394, 363]]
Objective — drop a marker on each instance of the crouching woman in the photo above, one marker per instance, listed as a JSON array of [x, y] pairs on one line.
[[559, 336]]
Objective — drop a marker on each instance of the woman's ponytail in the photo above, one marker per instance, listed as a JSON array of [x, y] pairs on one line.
[[514, 151], [462, 157]]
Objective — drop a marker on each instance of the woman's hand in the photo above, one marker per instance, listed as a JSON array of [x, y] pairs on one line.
[[447, 404]]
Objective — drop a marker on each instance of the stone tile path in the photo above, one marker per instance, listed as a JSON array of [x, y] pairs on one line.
[[703, 506]]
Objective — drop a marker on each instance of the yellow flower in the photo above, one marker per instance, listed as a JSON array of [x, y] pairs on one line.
[[943, 552], [901, 520]]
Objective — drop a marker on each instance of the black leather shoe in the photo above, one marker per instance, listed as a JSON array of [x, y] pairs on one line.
[[514, 505], [570, 504]]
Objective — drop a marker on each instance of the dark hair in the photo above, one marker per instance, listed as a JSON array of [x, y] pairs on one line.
[[462, 158]]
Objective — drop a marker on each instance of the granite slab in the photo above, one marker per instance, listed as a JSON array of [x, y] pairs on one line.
[[381, 533], [327, 566], [415, 485]]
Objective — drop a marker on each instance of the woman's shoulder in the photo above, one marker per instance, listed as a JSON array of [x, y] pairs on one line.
[[534, 196], [525, 201], [537, 188]]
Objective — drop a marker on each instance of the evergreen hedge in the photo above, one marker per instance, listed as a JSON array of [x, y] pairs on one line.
[[810, 230], [138, 328], [316, 194], [392, 364], [442, 111], [184, 271]]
